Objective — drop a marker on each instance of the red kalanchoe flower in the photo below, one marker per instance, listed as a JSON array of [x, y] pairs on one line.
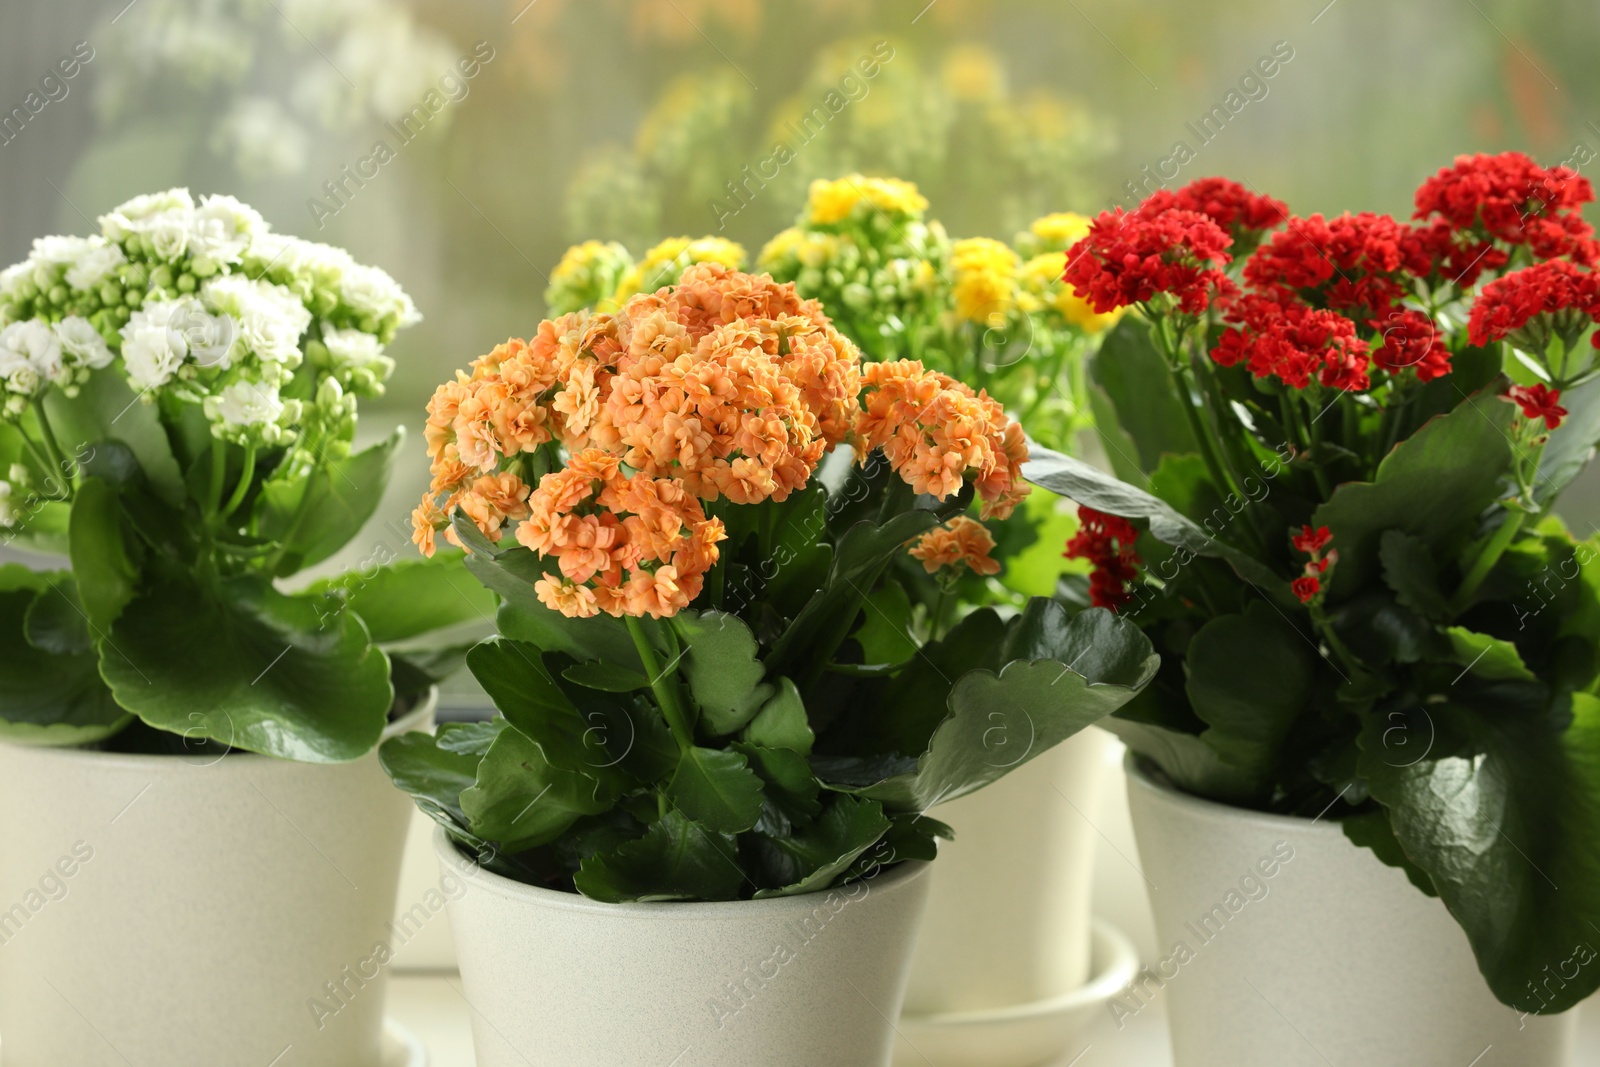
[[1127, 259], [1312, 541], [1292, 342], [1226, 202], [1306, 588], [1409, 340], [1531, 305], [1538, 402], [1510, 198], [1352, 264], [1440, 254], [1107, 542]]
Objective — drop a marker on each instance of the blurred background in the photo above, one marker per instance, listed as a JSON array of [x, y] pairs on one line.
[[463, 146]]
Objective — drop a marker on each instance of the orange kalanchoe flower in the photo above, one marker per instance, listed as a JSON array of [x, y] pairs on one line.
[[959, 541], [624, 545], [937, 433]]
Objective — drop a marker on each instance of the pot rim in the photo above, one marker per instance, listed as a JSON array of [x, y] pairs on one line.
[[1171, 795], [414, 719], [895, 877]]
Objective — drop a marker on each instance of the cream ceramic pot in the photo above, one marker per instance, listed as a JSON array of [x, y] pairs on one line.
[[1285, 944], [195, 912], [557, 980]]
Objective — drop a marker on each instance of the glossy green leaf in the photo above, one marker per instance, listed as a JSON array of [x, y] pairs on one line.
[[1487, 657], [606, 677], [674, 860], [1135, 378], [106, 571], [1410, 570], [1433, 486], [106, 409], [519, 799], [436, 770], [1037, 569], [245, 665], [721, 665], [782, 721], [814, 857], [317, 516], [885, 631], [1249, 680], [56, 622], [45, 698], [410, 597], [716, 788]]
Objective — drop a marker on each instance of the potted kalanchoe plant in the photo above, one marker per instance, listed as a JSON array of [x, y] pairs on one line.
[[1378, 642], [699, 819], [1008, 930], [179, 409]]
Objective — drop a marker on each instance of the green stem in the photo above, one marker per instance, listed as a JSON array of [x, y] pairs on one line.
[[936, 620], [245, 478], [665, 692], [219, 471], [1487, 558], [57, 460]]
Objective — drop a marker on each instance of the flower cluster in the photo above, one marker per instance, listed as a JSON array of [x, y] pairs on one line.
[[1245, 215], [1130, 258], [1513, 200], [1353, 264], [879, 267], [1538, 402], [938, 434], [961, 542], [1312, 543], [588, 276], [204, 303], [1106, 541], [1294, 343], [984, 280], [664, 264], [1531, 306], [623, 545]]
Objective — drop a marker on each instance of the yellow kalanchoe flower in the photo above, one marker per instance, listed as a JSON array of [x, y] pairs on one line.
[[832, 202], [1042, 288], [665, 263], [1060, 231], [985, 279], [586, 277]]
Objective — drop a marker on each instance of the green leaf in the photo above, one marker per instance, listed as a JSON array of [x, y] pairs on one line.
[[1162, 733], [105, 569], [717, 788], [1433, 486], [520, 799], [528, 695], [1135, 378], [1091, 486], [242, 664], [1409, 569], [606, 677], [436, 770], [674, 860], [402, 600], [1037, 569], [316, 516], [791, 787], [1571, 444], [56, 623], [885, 631], [782, 721], [106, 409], [721, 665], [997, 722], [1249, 679], [1487, 657], [45, 698], [821, 852], [1503, 815]]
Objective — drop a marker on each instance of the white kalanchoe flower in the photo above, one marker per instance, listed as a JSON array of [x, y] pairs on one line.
[[371, 291], [83, 343], [95, 263], [153, 348], [8, 510], [357, 358], [271, 318], [164, 220], [58, 251], [30, 356], [221, 232], [14, 278], [245, 403]]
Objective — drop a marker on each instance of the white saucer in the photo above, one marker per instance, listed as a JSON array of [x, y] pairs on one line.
[[401, 1047], [1024, 1035]]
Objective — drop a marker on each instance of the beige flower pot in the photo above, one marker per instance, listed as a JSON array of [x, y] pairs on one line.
[[1285, 944], [1008, 911], [556, 980], [196, 912]]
